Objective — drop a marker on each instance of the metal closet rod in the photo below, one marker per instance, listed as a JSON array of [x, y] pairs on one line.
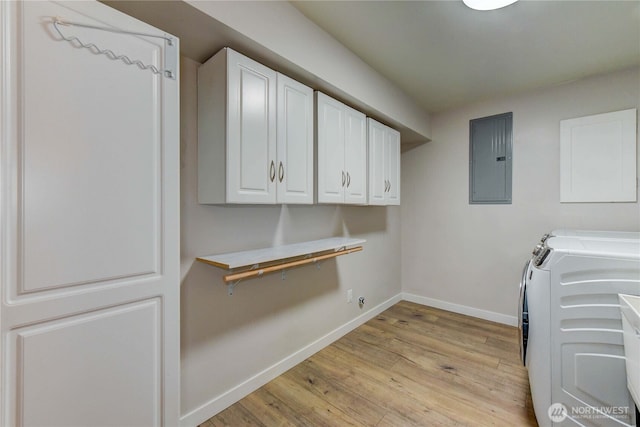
[[278, 267]]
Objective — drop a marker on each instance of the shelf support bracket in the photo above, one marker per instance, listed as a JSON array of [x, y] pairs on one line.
[[231, 286]]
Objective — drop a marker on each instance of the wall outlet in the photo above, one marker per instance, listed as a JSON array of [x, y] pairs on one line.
[[350, 296]]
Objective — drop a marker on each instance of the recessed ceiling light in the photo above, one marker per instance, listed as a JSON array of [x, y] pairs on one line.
[[488, 4]]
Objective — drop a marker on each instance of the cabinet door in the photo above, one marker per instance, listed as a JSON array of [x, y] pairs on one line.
[[295, 142], [355, 155], [392, 155], [330, 133], [89, 230], [251, 131], [377, 163]]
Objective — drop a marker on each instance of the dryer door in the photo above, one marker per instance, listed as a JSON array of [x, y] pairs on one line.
[[523, 314]]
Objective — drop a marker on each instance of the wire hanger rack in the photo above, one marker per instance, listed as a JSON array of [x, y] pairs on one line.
[[170, 56]]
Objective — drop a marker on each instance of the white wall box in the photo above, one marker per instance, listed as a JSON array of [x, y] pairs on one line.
[[384, 164], [89, 237], [598, 158], [255, 134], [341, 151]]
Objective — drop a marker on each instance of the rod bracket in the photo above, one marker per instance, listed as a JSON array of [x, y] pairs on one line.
[[231, 286]]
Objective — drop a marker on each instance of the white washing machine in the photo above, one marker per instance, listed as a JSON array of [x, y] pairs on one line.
[[573, 347], [538, 251]]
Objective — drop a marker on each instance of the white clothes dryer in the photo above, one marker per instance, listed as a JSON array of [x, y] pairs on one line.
[[574, 352]]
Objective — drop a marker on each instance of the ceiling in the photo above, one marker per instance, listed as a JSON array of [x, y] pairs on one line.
[[445, 55]]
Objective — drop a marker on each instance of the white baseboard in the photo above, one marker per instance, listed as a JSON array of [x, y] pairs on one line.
[[462, 309], [217, 404]]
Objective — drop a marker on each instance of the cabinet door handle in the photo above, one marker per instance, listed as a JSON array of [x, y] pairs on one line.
[[272, 171], [348, 179], [388, 186], [280, 172], [389, 189], [343, 178]]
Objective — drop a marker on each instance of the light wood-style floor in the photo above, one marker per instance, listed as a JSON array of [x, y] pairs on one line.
[[410, 366]]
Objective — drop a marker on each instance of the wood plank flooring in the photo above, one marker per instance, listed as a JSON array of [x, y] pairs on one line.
[[410, 366]]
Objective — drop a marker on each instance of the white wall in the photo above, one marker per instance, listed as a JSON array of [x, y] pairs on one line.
[[472, 255], [277, 34], [227, 340], [320, 60]]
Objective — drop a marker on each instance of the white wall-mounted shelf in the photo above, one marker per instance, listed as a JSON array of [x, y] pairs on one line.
[[257, 262]]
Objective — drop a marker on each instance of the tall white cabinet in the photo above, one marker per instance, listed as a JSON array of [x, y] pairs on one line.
[[341, 151], [89, 230], [255, 134], [384, 164]]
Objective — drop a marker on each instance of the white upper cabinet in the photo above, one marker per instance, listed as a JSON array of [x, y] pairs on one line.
[[330, 146], [342, 152], [236, 130], [377, 181], [255, 137], [355, 157], [384, 164], [393, 166], [295, 142]]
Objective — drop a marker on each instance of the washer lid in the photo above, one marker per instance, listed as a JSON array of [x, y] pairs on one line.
[[596, 247], [596, 234]]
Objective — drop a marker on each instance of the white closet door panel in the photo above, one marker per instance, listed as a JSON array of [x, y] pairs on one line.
[[377, 177], [355, 156], [392, 155], [60, 385], [89, 149], [89, 238], [331, 167], [295, 142], [251, 145]]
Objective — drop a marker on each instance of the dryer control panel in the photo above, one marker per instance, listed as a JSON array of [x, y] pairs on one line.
[[540, 252]]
